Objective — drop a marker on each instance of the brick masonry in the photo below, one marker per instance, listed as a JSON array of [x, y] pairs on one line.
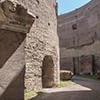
[[79, 34], [28, 34]]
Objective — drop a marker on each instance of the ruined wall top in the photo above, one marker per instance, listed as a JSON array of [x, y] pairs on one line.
[[15, 17], [81, 26]]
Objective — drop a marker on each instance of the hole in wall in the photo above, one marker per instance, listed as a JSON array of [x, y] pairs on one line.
[[38, 1], [48, 24], [74, 26], [37, 17]]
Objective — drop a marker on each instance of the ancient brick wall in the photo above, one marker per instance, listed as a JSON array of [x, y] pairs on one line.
[[12, 64], [79, 31], [42, 40], [13, 29], [66, 63], [97, 62], [28, 36]]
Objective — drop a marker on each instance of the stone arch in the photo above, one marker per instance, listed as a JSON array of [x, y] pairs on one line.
[[48, 72]]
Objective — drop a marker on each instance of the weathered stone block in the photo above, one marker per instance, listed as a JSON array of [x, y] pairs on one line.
[[65, 75]]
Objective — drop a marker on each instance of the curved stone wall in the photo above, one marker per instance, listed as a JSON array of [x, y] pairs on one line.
[[42, 40], [79, 32]]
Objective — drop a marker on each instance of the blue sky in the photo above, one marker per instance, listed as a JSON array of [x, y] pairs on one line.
[[65, 6]]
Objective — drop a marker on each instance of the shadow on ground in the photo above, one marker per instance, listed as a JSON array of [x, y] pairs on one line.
[[92, 94]]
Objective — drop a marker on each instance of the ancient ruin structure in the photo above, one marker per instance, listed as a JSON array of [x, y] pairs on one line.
[[79, 33], [29, 50]]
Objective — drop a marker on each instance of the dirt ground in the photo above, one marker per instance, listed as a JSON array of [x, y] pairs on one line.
[[79, 89]]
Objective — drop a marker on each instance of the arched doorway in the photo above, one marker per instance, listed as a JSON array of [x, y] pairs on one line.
[[48, 72]]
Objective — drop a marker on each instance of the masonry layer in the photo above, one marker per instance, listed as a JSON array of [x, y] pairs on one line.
[[29, 47], [79, 33]]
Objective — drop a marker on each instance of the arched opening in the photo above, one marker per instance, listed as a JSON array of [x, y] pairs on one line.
[[48, 72]]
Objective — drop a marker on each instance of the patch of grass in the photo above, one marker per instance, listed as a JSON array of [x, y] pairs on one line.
[[90, 76], [30, 94], [64, 84]]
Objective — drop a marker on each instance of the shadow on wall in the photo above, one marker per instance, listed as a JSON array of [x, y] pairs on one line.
[[12, 67], [15, 23], [15, 88], [9, 42]]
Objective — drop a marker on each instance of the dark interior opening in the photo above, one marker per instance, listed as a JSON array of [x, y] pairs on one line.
[[48, 72], [74, 26]]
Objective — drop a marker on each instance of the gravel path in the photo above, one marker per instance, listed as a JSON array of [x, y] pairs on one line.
[[80, 89]]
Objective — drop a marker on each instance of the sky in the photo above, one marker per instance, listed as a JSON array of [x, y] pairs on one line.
[[65, 6]]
